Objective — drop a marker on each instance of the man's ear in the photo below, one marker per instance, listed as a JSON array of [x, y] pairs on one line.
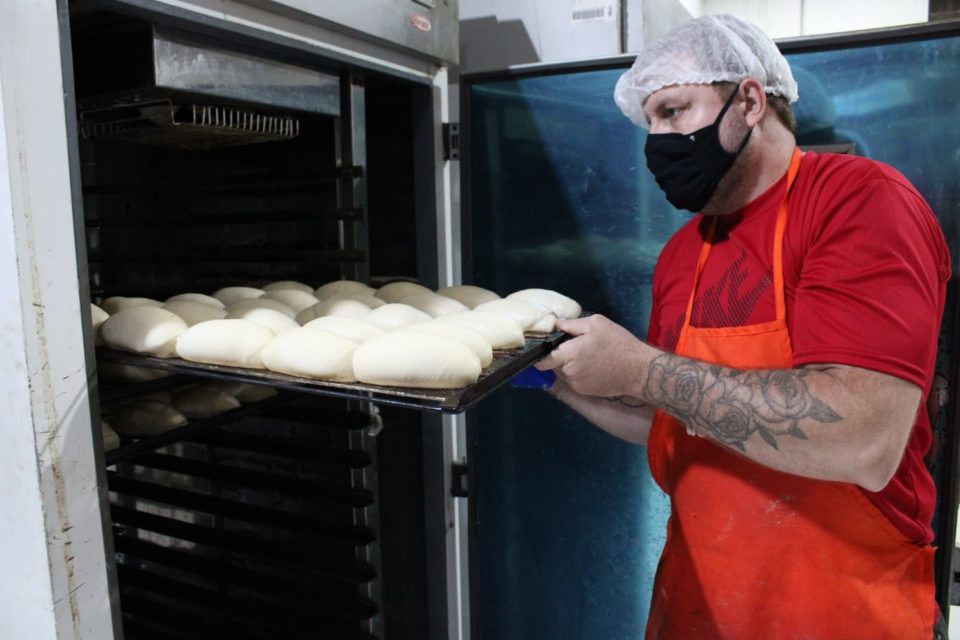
[[754, 99]]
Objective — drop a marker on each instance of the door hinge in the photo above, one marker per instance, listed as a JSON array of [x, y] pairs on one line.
[[451, 140], [458, 480]]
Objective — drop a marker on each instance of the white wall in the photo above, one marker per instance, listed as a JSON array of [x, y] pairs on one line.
[[54, 582], [791, 18]]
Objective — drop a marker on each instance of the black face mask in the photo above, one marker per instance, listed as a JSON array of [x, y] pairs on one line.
[[689, 166]]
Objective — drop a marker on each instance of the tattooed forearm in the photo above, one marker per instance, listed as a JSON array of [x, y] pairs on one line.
[[733, 404]]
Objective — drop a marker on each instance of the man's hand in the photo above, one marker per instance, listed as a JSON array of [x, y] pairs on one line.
[[601, 359]]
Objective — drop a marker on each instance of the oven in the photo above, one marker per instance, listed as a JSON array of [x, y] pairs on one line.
[[175, 147]]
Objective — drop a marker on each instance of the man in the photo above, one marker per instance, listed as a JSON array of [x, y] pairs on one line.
[[793, 335]]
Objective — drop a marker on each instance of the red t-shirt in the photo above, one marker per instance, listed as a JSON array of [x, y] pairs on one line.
[[865, 273]]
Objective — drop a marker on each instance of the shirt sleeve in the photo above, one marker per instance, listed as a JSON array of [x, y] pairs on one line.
[[872, 280]]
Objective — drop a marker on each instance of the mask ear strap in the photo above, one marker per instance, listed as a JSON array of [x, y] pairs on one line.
[[728, 103], [726, 106]]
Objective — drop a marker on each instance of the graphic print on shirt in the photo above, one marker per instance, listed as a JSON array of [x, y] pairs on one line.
[[728, 303]]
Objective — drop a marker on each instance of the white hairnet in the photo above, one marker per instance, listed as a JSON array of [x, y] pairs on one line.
[[720, 48]]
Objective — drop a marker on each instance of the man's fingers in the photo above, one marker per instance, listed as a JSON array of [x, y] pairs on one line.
[[553, 360], [575, 327]]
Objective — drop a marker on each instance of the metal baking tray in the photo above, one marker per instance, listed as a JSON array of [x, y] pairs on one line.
[[505, 365]]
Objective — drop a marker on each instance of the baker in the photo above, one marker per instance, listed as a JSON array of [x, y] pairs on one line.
[[778, 391]]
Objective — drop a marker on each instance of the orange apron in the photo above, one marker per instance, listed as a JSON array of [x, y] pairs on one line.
[[756, 553]]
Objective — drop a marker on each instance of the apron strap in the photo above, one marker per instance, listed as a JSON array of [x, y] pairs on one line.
[[781, 227]]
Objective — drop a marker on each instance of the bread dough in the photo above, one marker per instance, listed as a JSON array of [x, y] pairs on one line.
[[284, 285], [114, 371], [532, 317], [148, 330], [97, 317], [311, 353], [203, 401], [202, 298], [333, 307], [296, 300], [394, 316], [146, 418], [502, 332], [433, 304], [356, 329], [231, 342], [371, 301], [468, 294], [261, 303], [476, 342], [226, 295], [118, 303], [111, 439], [559, 304], [194, 312], [397, 291], [409, 359], [343, 288], [273, 320], [248, 393]]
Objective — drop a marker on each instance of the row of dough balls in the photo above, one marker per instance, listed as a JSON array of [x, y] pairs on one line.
[[402, 334], [160, 412]]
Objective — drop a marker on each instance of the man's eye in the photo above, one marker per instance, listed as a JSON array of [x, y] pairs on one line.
[[671, 112]]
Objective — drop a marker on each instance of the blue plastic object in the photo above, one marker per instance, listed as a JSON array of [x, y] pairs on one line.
[[533, 378]]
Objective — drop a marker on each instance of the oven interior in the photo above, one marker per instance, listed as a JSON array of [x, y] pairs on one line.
[[294, 516]]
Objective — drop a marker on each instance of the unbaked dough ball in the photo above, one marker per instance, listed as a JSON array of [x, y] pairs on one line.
[[202, 298], [288, 284], [149, 330], [111, 439], [203, 401], [146, 418], [561, 305], [226, 295], [343, 288], [273, 320], [118, 303], [408, 359], [296, 300], [194, 312], [532, 317], [248, 393], [468, 294], [333, 307], [356, 329], [503, 332], [397, 291], [311, 353], [476, 342], [371, 301], [231, 342], [261, 303], [97, 317], [116, 372], [433, 304], [394, 316]]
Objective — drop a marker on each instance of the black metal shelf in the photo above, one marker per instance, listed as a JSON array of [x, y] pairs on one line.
[[221, 219], [314, 491]]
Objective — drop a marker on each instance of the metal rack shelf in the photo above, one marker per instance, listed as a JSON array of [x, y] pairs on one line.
[[505, 365]]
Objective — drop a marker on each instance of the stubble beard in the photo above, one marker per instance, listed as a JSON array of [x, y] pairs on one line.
[[731, 192]]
